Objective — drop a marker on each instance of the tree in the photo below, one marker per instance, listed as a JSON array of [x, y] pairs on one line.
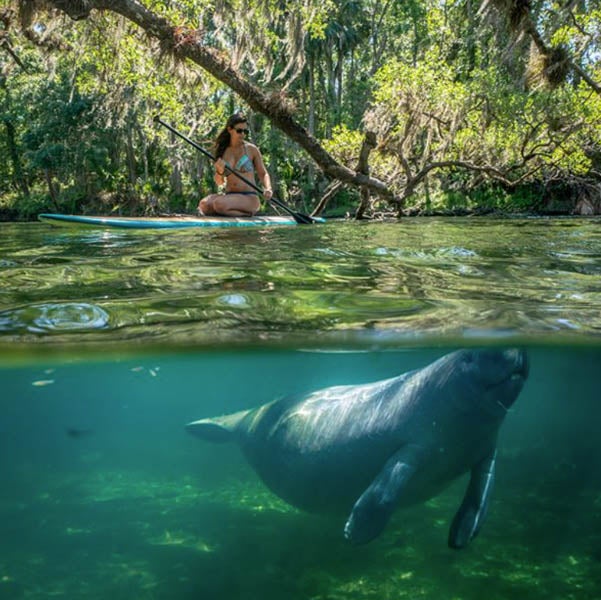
[[398, 97], [571, 29], [10, 63], [189, 44]]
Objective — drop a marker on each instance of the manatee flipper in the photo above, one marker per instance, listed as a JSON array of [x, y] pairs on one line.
[[372, 511], [473, 509], [218, 429]]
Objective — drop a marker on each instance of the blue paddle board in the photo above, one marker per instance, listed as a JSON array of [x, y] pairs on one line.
[[168, 222]]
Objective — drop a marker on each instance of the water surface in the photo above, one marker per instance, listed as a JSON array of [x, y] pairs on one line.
[[420, 278]]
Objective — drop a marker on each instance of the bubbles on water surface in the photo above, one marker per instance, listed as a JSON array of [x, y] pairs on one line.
[[237, 300], [55, 317]]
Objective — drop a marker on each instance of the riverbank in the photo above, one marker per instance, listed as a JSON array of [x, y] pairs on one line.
[[560, 200]]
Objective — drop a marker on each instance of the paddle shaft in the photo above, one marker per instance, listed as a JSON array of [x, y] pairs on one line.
[[298, 217]]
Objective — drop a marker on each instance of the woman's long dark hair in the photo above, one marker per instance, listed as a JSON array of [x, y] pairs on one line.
[[223, 139]]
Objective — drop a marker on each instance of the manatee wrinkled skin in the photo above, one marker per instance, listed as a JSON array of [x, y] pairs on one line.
[[365, 450]]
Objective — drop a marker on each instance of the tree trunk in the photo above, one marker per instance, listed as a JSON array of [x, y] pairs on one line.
[[130, 155], [177, 186], [338, 88], [310, 170], [369, 143], [19, 179], [13, 150], [311, 95], [52, 188], [328, 194]]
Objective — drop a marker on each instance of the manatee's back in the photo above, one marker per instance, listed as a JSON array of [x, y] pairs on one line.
[[320, 451]]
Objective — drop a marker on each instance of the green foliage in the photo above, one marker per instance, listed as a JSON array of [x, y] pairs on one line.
[[16, 206], [344, 144], [485, 125], [435, 81]]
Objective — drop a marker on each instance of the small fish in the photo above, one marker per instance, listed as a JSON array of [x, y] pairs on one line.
[[75, 433]]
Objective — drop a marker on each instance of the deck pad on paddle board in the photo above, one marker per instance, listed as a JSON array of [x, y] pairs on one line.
[[168, 222]]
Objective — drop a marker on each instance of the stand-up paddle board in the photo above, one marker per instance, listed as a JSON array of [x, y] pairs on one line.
[[167, 222]]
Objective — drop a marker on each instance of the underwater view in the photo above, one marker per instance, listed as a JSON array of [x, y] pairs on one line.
[[483, 334]]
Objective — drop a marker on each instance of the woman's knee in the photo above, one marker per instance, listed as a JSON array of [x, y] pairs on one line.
[[232, 204], [206, 205]]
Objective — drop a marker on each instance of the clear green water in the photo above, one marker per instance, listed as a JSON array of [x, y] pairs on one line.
[[357, 283], [110, 343]]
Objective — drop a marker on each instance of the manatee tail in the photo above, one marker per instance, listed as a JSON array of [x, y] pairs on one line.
[[218, 429]]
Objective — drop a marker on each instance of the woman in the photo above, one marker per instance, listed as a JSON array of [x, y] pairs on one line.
[[233, 151]]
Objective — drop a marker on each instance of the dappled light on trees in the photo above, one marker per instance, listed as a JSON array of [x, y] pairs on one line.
[[372, 107]]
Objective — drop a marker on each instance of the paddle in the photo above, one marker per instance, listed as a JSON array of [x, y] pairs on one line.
[[298, 217]]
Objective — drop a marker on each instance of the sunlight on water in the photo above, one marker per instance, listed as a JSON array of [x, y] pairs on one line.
[[421, 278], [48, 318]]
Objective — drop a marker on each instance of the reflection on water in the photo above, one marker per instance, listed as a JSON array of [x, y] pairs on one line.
[[414, 279], [48, 318]]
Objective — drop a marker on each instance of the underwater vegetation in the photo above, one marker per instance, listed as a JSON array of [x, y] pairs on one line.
[[124, 534]]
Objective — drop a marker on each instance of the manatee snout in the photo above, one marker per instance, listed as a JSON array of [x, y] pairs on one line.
[[512, 371], [497, 366], [517, 361], [519, 358]]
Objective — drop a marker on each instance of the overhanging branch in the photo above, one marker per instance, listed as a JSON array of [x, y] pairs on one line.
[[489, 170], [188, 44]]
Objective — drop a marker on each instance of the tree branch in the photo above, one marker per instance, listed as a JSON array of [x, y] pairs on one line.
[[489, 170], [188, 44]]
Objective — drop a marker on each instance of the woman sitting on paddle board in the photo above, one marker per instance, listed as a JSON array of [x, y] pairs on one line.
[[234, 152]]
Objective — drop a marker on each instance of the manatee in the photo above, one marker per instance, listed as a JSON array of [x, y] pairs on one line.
[[362, 451]]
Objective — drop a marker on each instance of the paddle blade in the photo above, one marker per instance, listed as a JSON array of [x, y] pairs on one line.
[[303, 219]]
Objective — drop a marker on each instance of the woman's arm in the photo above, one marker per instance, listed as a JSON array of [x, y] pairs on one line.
[[219, 171], [262, 173]]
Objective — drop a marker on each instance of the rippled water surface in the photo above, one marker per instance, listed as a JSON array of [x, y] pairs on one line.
[[414, 279]]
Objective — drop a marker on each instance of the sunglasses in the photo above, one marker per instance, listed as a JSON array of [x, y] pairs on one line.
[[244, 131]]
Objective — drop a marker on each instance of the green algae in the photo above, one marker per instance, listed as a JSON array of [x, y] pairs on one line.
[[127, 534]]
